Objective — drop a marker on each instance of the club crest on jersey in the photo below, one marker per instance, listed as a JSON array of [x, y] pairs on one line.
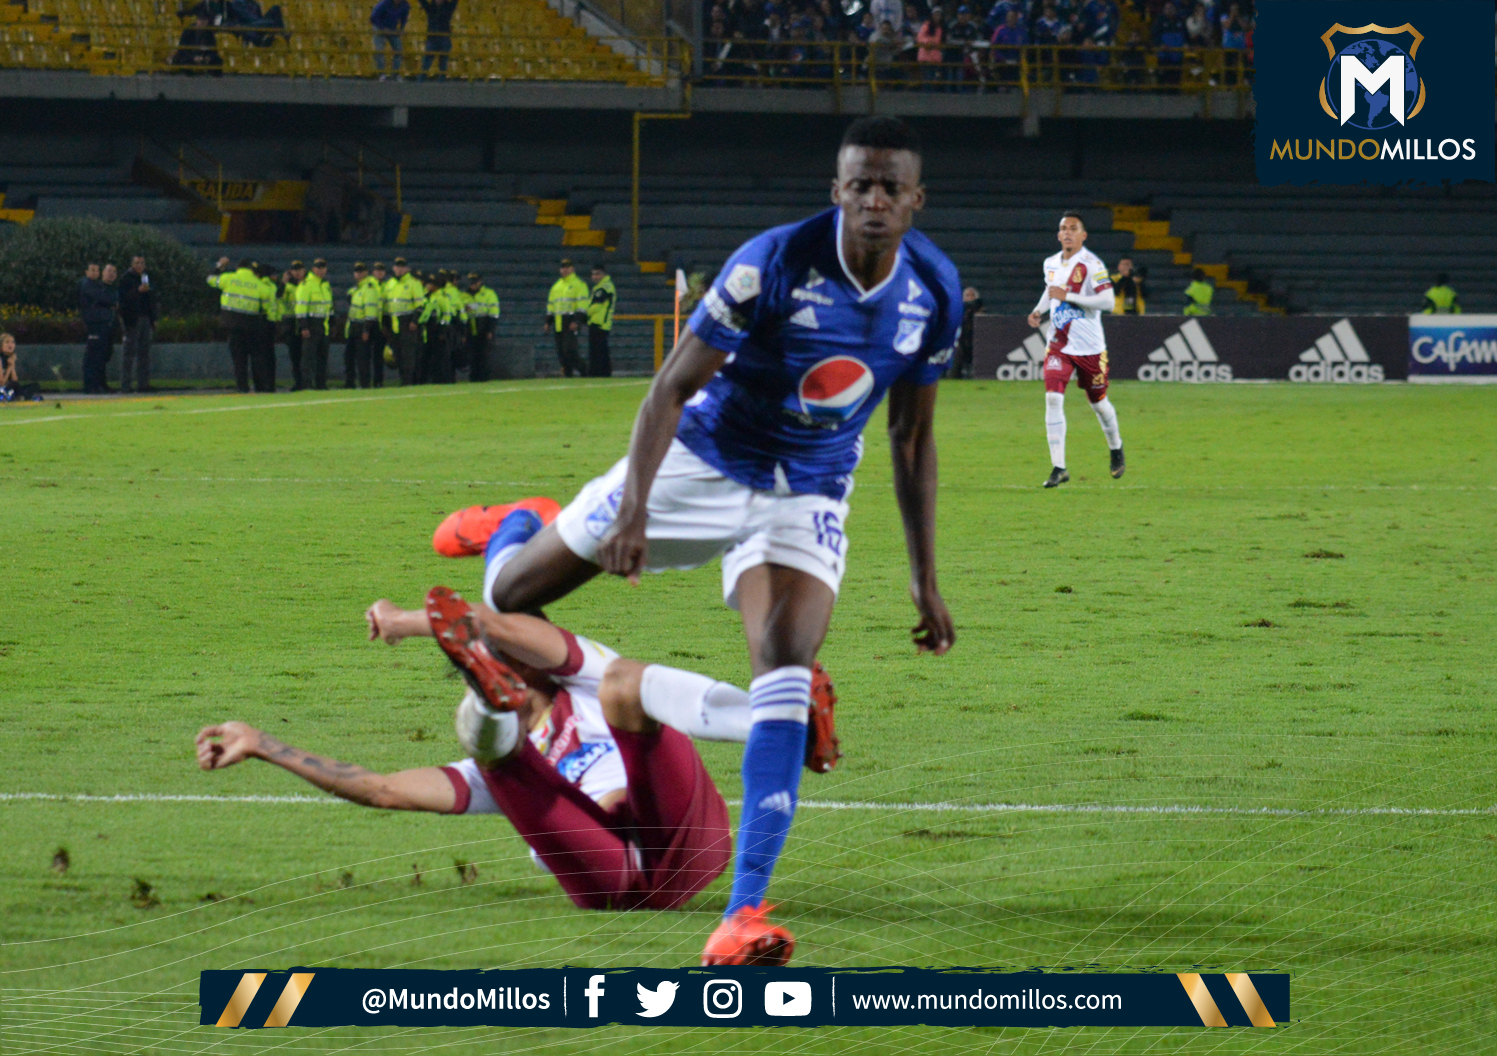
[[742, 283], [1078, 275], [909, 335], [832, 391]]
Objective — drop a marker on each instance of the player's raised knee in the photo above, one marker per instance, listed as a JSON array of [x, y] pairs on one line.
[[619, 693]]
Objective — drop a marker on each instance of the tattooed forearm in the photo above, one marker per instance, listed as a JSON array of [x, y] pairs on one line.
[[348, 780]]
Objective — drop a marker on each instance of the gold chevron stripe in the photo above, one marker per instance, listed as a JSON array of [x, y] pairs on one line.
[[1252, 1004], [285, 1006], [244, 994], [1195, 989]]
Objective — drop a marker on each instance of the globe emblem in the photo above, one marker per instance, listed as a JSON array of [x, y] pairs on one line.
[[1373, 111]]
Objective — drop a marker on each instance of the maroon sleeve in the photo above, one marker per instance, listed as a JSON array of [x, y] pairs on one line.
[[574, 656], [460, 789]]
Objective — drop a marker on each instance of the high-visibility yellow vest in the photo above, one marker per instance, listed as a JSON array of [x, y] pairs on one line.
[[404, 295], [240, 291], [314, 301], [569, 296], [481, 305], [1200, 293], [600, 305], [1443, 298]]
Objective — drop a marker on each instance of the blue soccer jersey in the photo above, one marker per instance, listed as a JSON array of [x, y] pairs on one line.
[[811, 354]]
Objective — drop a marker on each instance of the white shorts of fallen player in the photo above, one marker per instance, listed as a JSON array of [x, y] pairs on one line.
[[695, 513]]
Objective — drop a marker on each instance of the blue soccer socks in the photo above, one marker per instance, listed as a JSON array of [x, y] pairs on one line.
[[513, 532], [772, 762]]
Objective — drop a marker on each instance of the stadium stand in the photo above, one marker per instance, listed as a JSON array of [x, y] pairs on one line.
[[518, 40]]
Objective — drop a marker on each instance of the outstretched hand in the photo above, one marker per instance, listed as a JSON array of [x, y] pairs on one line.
[[935, 632], [234, 743]]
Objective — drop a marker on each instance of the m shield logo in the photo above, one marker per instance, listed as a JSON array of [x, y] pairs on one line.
[[1373, 78], [1340, 99]]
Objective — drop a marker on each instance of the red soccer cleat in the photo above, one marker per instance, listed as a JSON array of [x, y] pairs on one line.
[[456, 632], [747, 937], [822, 748], [466, 532]]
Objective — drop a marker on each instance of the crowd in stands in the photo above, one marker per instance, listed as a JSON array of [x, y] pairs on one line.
[[966, 47]]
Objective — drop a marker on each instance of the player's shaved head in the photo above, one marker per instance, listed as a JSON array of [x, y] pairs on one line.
[[882, 133]]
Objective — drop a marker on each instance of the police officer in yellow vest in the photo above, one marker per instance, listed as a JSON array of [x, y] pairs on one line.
[[600, 308], [380, 336], [482, 310], [404, 299], [314, 309], [1440, 299], [566, 311], [272, 322], [1199, 294], [436, 314], [361, 331], [291, 278], [244, 306]]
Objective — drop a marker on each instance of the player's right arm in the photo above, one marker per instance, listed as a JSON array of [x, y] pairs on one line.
[[428, 788], [1041, 306], [528, 639], [691, 364]]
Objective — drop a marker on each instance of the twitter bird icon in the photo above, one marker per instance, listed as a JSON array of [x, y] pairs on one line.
[[656, 1002]]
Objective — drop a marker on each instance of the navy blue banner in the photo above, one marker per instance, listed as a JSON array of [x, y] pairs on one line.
[[739, 997], [1453, 347], [1350, 92]]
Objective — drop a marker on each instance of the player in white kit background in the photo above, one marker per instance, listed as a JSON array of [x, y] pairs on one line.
[[1078, 289]]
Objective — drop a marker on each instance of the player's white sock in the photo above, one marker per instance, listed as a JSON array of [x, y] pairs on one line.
[[485, 734], [698, 706], [1055, 427], [495, 563], [1107, 417]]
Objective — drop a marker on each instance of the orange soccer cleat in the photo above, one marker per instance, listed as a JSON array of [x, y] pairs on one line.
[[822, 748], [457, 633], [747, 937], [466, 532]]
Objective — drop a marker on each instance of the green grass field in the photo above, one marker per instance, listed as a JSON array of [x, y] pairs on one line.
[[1160, 641]]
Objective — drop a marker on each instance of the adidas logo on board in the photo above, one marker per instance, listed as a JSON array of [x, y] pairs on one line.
[[1025, 363], [1186, 355], [1338, 356]]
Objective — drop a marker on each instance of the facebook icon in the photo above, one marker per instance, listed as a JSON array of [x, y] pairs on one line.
[[592, 993]]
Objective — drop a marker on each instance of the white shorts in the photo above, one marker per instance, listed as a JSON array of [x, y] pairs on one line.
[[695, 513]]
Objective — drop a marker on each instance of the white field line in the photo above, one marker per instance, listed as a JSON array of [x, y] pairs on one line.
[[349, 401], [1175, 809]]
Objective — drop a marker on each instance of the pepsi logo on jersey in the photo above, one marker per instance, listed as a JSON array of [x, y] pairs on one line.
[[832, 391]]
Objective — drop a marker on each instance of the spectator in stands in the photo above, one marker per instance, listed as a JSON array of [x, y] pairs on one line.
[[964, 35], [1099, 21], [1007, 40], [1048, 27], [388, 19], [961, 366], [833, 22], [1199, 293], [1234, 28], [890, 11], [1128, 289], [932, 38], [1198, 28], [883, 49], [438, 34], [1440, 299], [1169, 37], [98, 301], [138, 313], [242, 15], [11, 388], [197, 48]]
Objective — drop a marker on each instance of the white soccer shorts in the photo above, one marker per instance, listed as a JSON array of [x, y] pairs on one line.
[[695, 513]]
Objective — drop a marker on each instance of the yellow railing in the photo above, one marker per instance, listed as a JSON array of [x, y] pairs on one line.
[[659, 321], [974, 68], [127, 49]]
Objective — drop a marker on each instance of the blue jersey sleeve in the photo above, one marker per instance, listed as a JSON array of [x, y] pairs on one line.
[[735, 302]]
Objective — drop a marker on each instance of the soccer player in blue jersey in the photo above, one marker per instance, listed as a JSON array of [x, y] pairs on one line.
[[745, 447]]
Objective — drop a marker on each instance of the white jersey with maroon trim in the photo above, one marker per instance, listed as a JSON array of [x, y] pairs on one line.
[[574, 738], [1076, 323]]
